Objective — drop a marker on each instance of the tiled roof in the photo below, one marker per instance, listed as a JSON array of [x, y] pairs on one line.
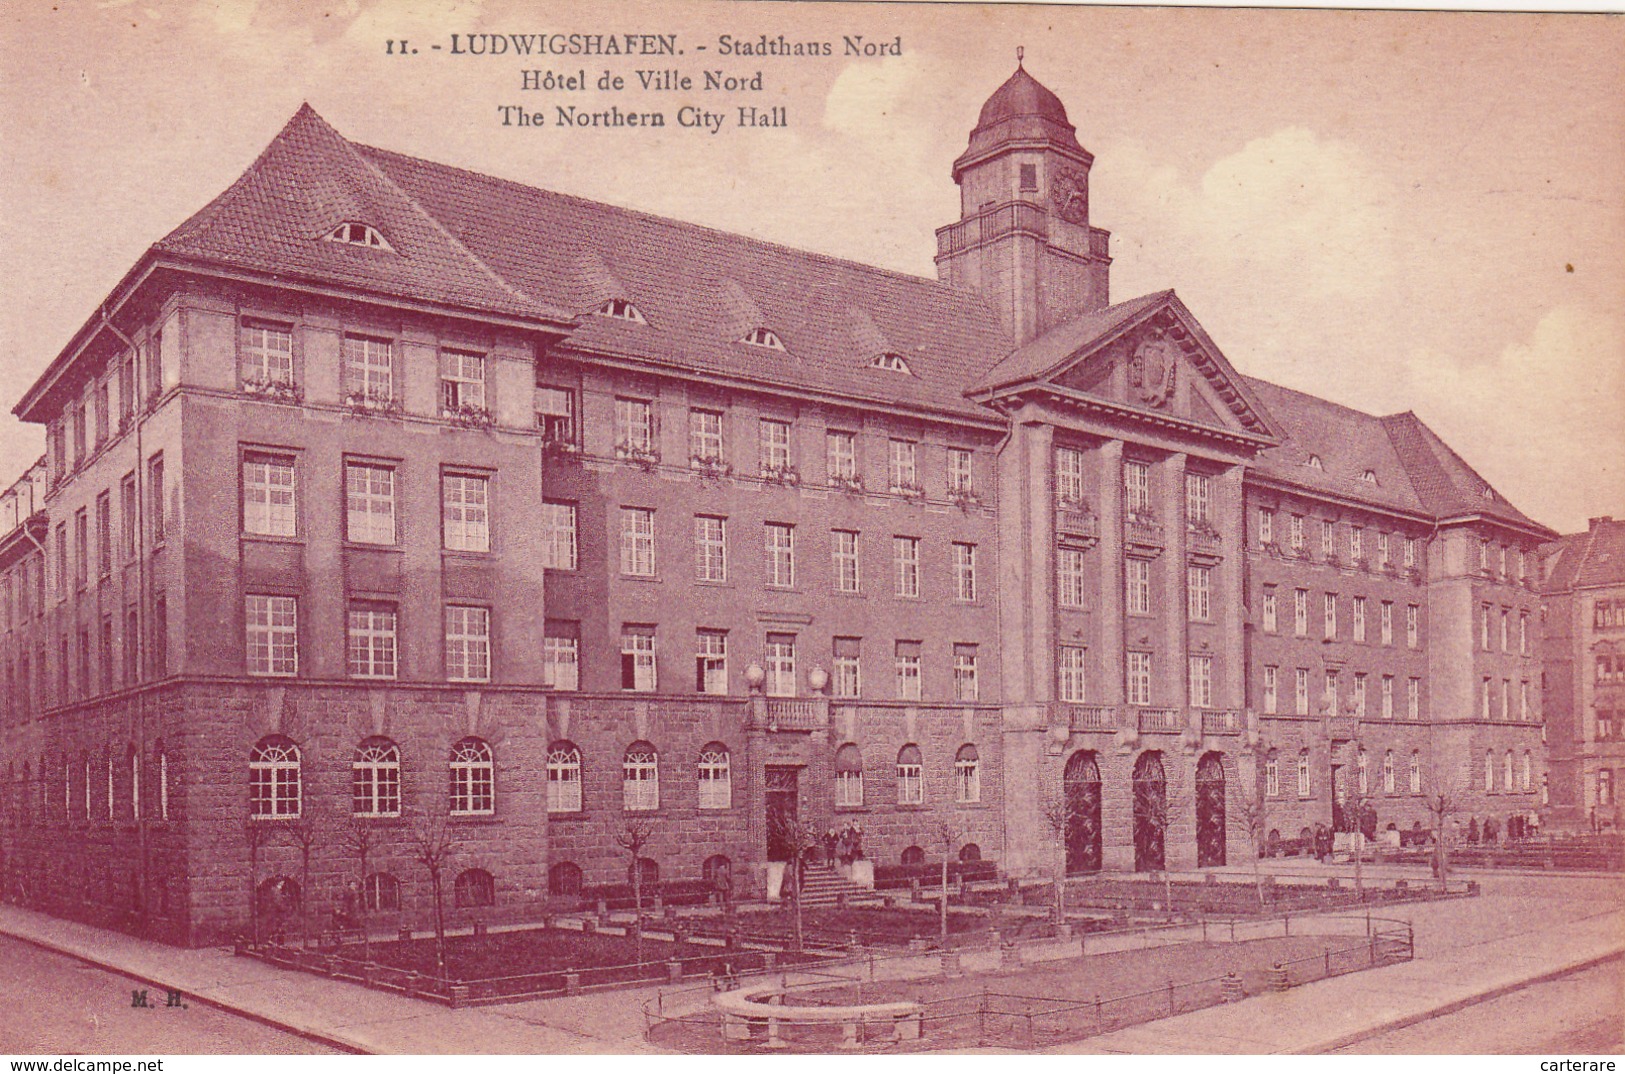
[[1446, 485], [699, 288], [1593, 558], [1047, 352]]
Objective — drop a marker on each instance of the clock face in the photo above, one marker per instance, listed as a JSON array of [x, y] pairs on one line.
[[1069, 190]]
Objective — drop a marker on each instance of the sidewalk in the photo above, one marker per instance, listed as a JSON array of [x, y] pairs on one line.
[[1520, 930]]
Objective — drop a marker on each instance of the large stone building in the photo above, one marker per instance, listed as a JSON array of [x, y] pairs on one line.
[[1583, 603], [381, 495]]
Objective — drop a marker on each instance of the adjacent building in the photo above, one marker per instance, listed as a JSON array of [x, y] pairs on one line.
[[386, 503]]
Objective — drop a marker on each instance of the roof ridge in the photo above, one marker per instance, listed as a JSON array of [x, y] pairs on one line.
[[1317, 398], [687, 225]]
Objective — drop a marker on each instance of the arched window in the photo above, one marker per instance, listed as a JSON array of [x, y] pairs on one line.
[[273, 779], [1364, 770], [1303, 773], [849, 777], [910, 776], [640, 778], [163, 779], [1388, 772], [1489, 770], [375, 779], [20, 793], [133, 759], [473, 779], [913, 856], [84, 758], [564, 879], [563, 778], [44, 791], [967, 775], [716, 782], [474, 887], [381, 892], [970, 852], [1272, 775], [1315, 463], [1506, 772], [718, 873], [1416, 772], [67, 789], [1528, 781]]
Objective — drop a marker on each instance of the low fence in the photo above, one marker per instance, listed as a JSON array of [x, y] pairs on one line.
[[1012, 1020]]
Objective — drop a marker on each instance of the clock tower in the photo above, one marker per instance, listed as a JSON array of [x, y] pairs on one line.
[[1023, 237]]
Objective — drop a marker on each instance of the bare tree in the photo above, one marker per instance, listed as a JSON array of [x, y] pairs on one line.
[[634, 835], [1160, 811], [1059, 811], [801, 838], [359, 839], [254, 836], [429, 835], [948, 836], [1248, 806], [1442, 803], [303, 833]]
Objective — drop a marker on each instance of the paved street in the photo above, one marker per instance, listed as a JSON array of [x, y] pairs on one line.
[[59, 1005], [1578, 1014]]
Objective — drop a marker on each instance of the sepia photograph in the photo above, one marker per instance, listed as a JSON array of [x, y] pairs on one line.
[[732, 528]]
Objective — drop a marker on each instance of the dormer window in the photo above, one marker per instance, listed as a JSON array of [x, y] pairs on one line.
[[355, 234], [1489, 493], [1314, 463], [621, 310], [763, 337], [892, 361], [1369, 477]]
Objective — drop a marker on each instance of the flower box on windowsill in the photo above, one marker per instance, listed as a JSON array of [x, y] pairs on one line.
[[555, 446], [468, 415], [637, 456], [850, 485], [964, 499], [371, 403], [710, 467], [907, 491], [281, 391], [781, 475]]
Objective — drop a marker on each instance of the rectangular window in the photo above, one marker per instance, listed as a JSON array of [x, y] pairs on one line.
[[1359, 619], [1413, 699], [468, 643], [1359, 694], [638, 542], [710, 548], [781, 555], [369, 503], [1387, 697], [907, 663], [1272, 688], [1201, 681], [1506, 630], [1068, 475], [1382, 549], [371, 641], [1266, 526], [462, 383], [964, 567], [1523, 700], [1330, 690], [1072, 674], [559, 533], [1300, 691], [1272, 777], [774, 439], [959, 470], [1137, 488], [781, 666], [1506, 699], [1297, 534], [1484, 613], [1300, 612], [1069, 577], [1356, 543], [844, 546], [79, 447], [556, 415], [711, 661], [903, 475], [104, 535], [638, 669], [1138, 575], [906, 559], [966, 685], [101, 408], [156, 499], [1137, 684], [273, 635], [561, 656], [1387, 622], [1410, 552], [1270, 612], [265, 355], [1523, 633], [1198, 499], [634, 428], [62, 567], [841, 456], [268, 495], [127, 512], [1303, 774], [704, 438], [81, 548], [126, 389], [369, 371], [1413, 628], [465, 512], [1329, 615], [848, 679], [1328, 539], [1198, 593], [1484, 699]]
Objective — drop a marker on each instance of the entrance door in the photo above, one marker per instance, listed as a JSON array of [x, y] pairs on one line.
[[1210, 810], [1150, 811], [783, 793], [1339, 792], [1080, 788]]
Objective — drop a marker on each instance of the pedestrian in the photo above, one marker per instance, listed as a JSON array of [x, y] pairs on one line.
[[1472, 831]]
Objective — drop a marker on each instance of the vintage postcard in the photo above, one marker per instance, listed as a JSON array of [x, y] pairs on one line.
[[733, 528]]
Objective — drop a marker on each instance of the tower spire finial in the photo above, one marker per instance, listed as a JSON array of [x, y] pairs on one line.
[[1019, 53]]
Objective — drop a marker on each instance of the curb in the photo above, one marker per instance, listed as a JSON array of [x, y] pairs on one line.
[[312, 1035], [1408, 1020]]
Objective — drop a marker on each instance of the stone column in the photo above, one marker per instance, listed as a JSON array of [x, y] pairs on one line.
[[1171, 513], [1230, 519], [1039, 656], [1110, 551]]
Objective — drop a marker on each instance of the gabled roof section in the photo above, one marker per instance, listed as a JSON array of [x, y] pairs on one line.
[[274, 219], [1049, 357], [1446, 485], [699, 286], [1584, 560]]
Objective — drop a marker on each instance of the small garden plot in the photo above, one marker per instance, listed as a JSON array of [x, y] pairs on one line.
[[873, 926]]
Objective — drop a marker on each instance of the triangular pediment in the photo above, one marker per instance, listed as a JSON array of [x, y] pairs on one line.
[[1146, 355]]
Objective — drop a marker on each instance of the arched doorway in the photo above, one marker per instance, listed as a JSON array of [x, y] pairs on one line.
[[1150, 811], [1080, 787], [1210, 810]]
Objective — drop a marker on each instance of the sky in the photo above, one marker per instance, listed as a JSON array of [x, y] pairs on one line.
[[1395, 211]]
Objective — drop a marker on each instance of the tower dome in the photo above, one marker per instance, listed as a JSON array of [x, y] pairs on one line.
[[1022, 95], [1022, 112]]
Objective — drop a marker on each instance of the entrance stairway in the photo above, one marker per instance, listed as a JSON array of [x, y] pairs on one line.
[[822, 885]]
